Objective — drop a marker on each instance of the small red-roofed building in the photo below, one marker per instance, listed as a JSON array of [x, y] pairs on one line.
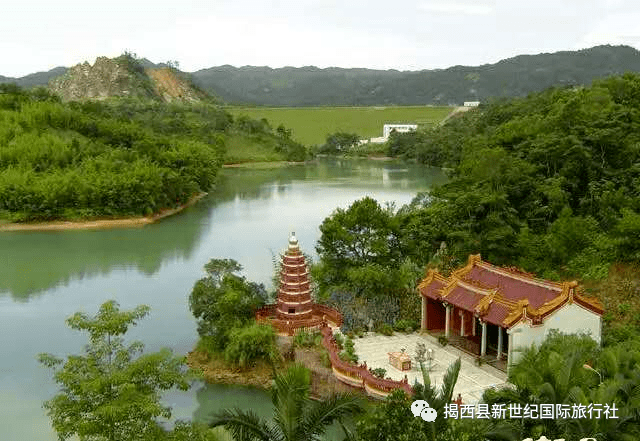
[[489, 310]]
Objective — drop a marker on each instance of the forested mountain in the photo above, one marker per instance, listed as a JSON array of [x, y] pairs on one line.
[[518, 76], [312, 86], [549, 182]]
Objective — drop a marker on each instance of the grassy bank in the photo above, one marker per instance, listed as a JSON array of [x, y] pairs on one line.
[[310, 125]]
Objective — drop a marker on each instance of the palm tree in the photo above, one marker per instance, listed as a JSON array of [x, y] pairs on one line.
[[437, 399], [296, 416], [559, 372]]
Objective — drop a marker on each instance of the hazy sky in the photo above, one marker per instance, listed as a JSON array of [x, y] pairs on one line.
[[37, 35]]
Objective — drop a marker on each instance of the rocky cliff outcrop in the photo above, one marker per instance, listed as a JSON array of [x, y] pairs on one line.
[[123, 77]]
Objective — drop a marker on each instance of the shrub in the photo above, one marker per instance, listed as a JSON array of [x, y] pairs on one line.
[[251, 343], [348, 357], [405, 325], [349, 353], [379, 372], [385, 329], [443, 340], [324, 359], [339, 338], [306, 339]]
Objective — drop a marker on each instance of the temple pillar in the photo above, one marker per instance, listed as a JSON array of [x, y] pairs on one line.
[[509, 350], [473, 326], [483, 345], [424, 323], [499, 356], [462, 323], [447, 320]]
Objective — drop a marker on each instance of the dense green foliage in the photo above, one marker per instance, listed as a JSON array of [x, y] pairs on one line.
[[112, 391], [296, 417], [250, 344], [362, 268], [96, 159], [311, 86], [224, 302], [339, 142], [568, 369], [549, 182], [392, 420], [115, 158]]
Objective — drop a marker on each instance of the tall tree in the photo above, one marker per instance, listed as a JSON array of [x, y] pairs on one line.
[[223, 301], [112, 391]]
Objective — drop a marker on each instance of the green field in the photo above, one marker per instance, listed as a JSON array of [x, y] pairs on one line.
[[310, 125]]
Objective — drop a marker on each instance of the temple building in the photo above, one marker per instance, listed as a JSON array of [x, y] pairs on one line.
[[294, 308], [492, 311]]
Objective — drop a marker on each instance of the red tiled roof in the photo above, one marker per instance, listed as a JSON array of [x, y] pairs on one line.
[[432, 285], [464, 298], [514, 286], [502, 296], [498, 312]]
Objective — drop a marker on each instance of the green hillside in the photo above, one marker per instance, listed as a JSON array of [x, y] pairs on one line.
[[549, 182], [116, 158]]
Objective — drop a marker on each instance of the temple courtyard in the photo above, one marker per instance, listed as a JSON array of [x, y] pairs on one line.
[[472, 381]]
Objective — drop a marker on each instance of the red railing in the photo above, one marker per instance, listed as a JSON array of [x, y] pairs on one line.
[[289, 327], [361, 373], [321, 314]]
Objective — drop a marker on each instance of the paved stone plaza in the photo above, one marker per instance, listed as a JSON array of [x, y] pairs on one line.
[[472, 381]]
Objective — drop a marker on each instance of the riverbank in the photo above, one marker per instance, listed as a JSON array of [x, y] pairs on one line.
[[100, 223], [260, 165]]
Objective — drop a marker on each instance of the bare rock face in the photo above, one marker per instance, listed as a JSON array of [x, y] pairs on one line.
[[171, 87], [106, 78], [122, 77]]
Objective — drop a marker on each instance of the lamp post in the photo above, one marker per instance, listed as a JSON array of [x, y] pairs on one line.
[[589, 368]]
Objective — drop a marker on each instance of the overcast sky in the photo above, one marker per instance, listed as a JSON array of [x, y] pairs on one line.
[[37, 35]]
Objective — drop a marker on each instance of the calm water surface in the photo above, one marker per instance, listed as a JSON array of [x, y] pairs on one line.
[[47, 276]]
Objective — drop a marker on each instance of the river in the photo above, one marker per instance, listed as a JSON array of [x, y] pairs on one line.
[[47, 276]]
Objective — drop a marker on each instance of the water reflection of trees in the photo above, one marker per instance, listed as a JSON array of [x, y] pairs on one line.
[[33, 262], [213, 398]]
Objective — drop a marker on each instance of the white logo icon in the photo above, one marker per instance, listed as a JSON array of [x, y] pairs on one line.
[[421, 407]]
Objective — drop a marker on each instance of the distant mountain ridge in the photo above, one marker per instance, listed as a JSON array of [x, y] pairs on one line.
[[312, 86], [517, 76]]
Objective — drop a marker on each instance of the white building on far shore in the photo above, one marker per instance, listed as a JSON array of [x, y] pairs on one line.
[[400, 128]]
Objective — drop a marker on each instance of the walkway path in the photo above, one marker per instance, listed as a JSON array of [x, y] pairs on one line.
[[472, 381]]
